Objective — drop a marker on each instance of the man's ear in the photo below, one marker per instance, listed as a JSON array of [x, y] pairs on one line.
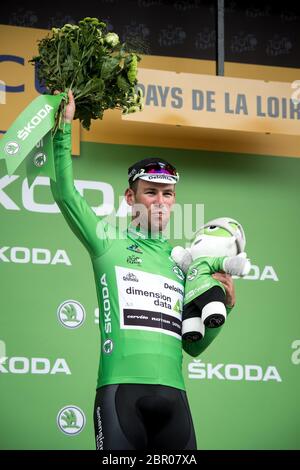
[[129, 196]]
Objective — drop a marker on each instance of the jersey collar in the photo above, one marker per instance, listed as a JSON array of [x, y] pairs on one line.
[[137, 232]]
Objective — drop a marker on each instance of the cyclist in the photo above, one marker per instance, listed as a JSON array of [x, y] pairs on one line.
[[141, 401]]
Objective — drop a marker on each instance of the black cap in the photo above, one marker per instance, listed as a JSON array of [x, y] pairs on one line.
[[134, 169]]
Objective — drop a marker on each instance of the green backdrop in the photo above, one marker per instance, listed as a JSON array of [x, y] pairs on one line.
[[244, 389]]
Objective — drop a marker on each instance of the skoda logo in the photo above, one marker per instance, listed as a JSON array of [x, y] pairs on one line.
[[12, 148], [71, 314], [71, 420], [108, 346]]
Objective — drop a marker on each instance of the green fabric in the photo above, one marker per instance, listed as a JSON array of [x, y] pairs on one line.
[[40, 161], [199, 277], [139, 289], [198, 280], [25, 138]]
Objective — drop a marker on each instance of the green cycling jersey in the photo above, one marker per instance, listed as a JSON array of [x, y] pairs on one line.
[[139, 288]]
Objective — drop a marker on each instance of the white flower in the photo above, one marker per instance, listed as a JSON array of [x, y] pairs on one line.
[[112, 39]]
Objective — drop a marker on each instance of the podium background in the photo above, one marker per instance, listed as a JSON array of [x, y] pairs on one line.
[[243, 390], [229, 410]]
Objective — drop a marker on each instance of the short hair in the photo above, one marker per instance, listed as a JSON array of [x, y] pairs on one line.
[[134, 185]]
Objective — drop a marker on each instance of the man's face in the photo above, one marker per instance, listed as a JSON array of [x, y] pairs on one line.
[[151, 204]]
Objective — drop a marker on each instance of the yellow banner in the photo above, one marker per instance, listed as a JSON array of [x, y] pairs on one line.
[[182, 110], [214, 102]]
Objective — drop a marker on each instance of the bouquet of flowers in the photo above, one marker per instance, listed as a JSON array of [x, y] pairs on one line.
[[92, 62]]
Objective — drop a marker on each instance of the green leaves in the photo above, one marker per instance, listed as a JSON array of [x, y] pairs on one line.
[[110, 66], [101, 72]]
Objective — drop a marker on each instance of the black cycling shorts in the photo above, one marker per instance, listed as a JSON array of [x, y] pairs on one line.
[[143, 417]]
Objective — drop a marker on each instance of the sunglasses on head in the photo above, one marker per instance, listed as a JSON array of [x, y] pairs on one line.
[[155, 168]]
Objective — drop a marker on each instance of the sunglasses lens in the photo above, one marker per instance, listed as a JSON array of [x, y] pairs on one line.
[[154, 168], [161, 168]]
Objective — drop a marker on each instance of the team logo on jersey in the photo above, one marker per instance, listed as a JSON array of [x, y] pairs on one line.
[[192, 274], [178, 307], [130, 277], [39, 159], [178, 272], [71, 420], [108, 346], [135, 248], [71, 314], [134, 260]]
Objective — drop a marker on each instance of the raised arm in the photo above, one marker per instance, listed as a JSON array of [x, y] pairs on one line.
[[78, 214]]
